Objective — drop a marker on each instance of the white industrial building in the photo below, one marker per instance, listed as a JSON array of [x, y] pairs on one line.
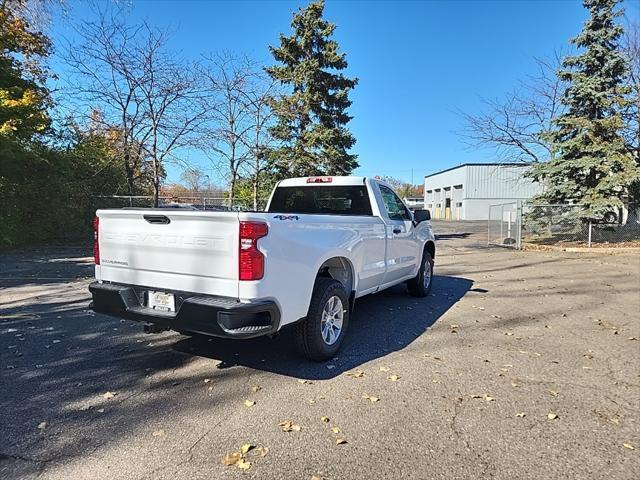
[[465, 192]]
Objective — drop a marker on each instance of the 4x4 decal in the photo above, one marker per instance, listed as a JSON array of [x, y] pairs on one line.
[[287, 217]]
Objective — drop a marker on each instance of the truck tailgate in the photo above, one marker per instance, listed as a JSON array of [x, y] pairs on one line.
[[190, 251]]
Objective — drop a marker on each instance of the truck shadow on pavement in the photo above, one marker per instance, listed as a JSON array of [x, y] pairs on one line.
[[59, 361], [381, 324]]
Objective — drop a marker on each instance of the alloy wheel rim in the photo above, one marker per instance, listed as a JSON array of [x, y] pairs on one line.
[[427, 274], [332, 320]]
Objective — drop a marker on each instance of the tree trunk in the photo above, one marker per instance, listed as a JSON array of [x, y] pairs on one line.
[[156, 184], [232, 189], [255, 191], [156, 194], [129, 172]]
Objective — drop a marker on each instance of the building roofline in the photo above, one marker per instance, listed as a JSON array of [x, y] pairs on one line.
[[489, 164]]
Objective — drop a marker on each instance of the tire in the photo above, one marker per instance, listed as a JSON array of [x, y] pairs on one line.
[[420, 286], [320, 340]]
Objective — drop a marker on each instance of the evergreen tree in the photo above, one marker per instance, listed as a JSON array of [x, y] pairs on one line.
[[311, 120], [591, 164]]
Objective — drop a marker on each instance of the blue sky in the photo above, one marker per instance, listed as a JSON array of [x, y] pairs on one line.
[[417, 62]]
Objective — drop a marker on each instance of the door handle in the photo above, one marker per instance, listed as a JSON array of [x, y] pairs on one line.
[[397, 230]]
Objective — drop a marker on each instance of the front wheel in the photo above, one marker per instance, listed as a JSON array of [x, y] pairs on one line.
[[321, 334], [420, 285]]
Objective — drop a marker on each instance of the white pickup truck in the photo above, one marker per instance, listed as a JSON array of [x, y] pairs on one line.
[[321, 243]]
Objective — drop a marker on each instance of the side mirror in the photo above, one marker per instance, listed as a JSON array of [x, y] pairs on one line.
[[421, 215]]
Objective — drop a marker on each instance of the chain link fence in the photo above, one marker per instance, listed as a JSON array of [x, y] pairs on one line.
[[519, 223], [220, 204], [504, 225], [566, 225]]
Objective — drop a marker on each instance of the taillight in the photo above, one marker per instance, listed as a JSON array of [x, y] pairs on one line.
[[96, 245], [251, 260]]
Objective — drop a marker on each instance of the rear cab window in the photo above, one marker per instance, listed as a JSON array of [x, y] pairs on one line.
[[325, 199]]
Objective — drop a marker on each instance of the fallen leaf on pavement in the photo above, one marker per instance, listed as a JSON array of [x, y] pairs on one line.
[[384, 369], [42, 425], [515, 385], [243, 465], [476, 396], [249, 403], [207, 380], [158, 433], [454, 326], [521, 414], [262, 451], [290, 427], [231, 458], [552, 416], [370, 398], [335, 430], [325, 419], [508, 333], [629, 446], [305, 382], [109, 395], [246, 447], [356, 374], [256, 388], [340, 441], [100, 410], [394, 378], [553, 393], [488, 398]]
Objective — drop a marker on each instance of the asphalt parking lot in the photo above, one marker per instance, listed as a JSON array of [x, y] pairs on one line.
[[519, 365]]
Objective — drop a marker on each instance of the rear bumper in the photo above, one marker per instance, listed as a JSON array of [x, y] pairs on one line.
[[195, 313]]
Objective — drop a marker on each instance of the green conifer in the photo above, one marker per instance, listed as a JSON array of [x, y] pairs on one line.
[[312, 117]]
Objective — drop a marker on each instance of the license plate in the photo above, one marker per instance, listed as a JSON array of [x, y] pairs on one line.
[[162, 301]]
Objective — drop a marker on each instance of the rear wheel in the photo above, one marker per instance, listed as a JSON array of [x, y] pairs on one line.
[[321, 334], [420, 285]]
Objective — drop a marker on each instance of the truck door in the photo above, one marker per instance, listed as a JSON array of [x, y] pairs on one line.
[[402, 248]]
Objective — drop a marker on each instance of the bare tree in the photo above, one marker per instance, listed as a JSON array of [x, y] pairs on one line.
[[515, 127], [149, 95], [260, 117], [105, 77], [227, 80], [195, 179], [171, 98]]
